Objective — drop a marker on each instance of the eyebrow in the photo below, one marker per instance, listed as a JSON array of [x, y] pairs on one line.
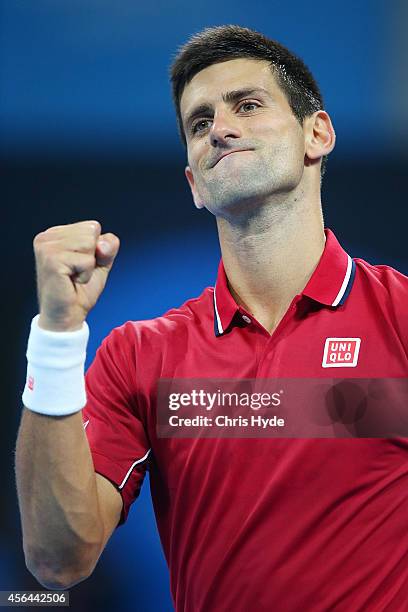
[[230, 97]]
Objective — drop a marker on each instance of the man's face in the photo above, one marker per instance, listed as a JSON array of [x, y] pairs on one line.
[[259, 125]]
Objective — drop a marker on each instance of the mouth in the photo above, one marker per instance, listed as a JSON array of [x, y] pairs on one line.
[[230, 153]]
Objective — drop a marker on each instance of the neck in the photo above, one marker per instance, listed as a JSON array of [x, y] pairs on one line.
[[270, 255]]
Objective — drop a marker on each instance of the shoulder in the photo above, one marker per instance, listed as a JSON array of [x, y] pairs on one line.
[[383, 279], [385, 289]]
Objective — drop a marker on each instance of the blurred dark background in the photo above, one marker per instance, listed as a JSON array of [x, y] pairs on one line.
[[87, 131]]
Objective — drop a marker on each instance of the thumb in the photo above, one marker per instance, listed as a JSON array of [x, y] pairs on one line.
[[107, 248]]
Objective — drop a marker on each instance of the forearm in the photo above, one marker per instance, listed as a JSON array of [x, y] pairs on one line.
[[62, 527], [56, 487]]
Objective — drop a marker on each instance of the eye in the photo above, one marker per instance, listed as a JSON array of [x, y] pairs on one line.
[[248, 103], [194, 127]]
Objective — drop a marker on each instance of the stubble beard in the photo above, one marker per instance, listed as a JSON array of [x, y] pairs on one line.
[[245, 189]]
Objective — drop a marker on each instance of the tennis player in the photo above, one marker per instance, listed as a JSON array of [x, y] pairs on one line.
[[266, 523]]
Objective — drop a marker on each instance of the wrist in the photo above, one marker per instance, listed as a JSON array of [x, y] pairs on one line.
[[62, 325], [55, 383]]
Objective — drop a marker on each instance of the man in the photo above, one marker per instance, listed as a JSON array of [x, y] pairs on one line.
[[263, 523]]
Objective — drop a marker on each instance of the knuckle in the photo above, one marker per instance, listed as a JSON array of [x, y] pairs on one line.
[[43, 237], [54, 229], [38, 239], [94, 226]]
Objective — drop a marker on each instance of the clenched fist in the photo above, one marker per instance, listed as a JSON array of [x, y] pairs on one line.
[[72, 263]]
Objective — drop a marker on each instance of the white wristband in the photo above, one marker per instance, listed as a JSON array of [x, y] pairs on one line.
[[55, 383]]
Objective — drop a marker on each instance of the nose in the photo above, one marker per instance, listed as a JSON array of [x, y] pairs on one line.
[[224, 127]]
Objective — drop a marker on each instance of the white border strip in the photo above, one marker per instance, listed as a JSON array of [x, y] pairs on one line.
[[220, 330], [131, 468], [345, 281]]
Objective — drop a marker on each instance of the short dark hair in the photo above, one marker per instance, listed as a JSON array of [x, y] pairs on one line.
[[223, 43]]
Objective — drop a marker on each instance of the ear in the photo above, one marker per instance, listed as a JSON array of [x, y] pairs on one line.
[[190, 178], [320, 135]]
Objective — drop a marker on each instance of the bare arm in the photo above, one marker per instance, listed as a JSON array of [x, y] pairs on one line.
[[67, 511], [56, 486]]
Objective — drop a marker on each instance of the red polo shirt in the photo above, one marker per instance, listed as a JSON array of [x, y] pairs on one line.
[[265, 524]]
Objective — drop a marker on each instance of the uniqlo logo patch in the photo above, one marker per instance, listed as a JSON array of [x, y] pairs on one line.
[[341, 352], [30, 383]]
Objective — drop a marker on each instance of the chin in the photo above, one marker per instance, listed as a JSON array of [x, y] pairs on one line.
[[234, 204]]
